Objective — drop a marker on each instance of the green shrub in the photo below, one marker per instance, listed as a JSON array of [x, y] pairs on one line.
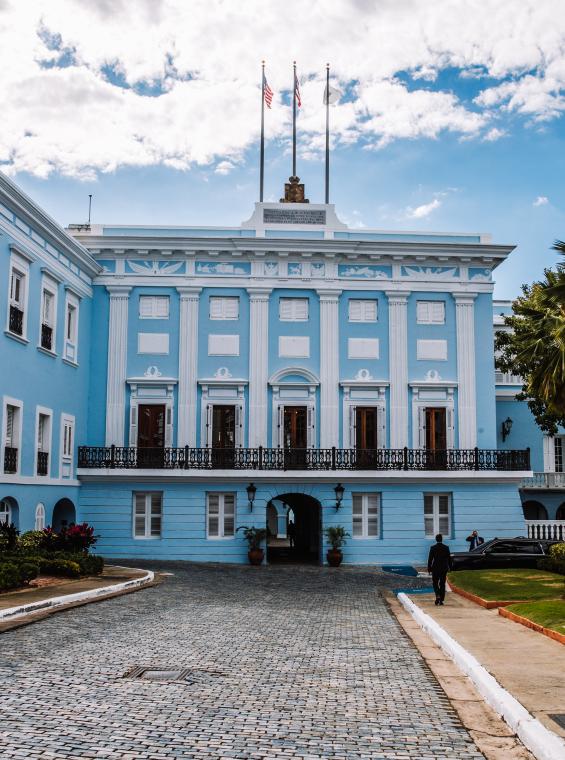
[[64, 567], [31, 542], [90, 564], [8, 537], [555, 560], [14, 574], [28, 571]]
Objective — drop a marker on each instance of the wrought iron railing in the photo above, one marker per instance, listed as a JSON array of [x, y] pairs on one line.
[[47, 337], [188, 458], [42, 462], [16, 321], [10, 460]]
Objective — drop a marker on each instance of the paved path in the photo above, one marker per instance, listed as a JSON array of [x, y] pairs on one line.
[[286, 663]]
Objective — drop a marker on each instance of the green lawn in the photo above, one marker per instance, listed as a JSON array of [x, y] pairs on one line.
[[550, 614], [520, 584]]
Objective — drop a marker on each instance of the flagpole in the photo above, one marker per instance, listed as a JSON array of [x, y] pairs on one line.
[[294, 123], [327, 133], [262, 149]]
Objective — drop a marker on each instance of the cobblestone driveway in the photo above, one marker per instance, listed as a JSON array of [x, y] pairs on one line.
[[287, 663]]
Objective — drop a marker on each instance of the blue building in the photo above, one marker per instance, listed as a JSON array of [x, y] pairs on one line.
[[185, 382]]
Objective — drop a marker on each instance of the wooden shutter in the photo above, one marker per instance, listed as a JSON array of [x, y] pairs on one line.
[[352, 426], [231, 308], [156, 509], [10, 415], [214, 515], [146, 306], [208, 429], [355, 310], [548, 453], [450, 427], [369, 310], [238, 425], [139, 517], [280, 425], [357, 499], [373, 504], [293, 309], [229, 515], [437, 312], [161, 307], [381, 427], [40, 432], [429, 514], [444, 521], [421, 427], [422, 311], [311, 432]]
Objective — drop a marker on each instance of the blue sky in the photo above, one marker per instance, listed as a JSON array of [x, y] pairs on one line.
[[436, 130]]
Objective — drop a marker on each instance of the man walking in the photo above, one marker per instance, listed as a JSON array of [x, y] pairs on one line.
[[439, 563]]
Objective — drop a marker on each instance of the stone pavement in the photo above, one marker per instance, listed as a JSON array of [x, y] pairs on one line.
[[284, 662]]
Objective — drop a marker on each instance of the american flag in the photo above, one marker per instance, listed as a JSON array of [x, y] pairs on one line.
[[297, 91], [268, 93]]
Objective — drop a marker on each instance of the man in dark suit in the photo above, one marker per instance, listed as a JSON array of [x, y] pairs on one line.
[[439, 564]]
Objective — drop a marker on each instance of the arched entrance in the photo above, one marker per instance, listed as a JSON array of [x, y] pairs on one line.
[[9, 511], [64, 514], [299, 527], [533, 510]]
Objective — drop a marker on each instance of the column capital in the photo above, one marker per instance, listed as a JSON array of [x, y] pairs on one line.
[[116, 291], [397, 296], [328, 296], [187, 291], [461, 297], [259, 294]]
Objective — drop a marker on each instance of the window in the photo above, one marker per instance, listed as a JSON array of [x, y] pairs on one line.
[[12, 434], [221, 515], [40, 516], [67, 445], [43, 443], [362, 310], [558, 453], [293, 309], [154, 307], [222, 307], [5, 511], [437, 514], [48, 318], [71, 329], [366, 514], [16, 312], [430, 312], [148, 509]]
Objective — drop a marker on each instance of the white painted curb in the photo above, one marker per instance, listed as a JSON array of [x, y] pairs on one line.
[[12, 613], [542, 742]]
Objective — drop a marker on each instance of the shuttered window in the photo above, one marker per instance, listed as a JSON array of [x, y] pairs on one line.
[[148, 509], [221, 515], [437, 514], [153, 307], [366, 515], [47, 308], [224, 307], [17, 288], [10, 426], [430, 312], [293, 309], [362, 310]]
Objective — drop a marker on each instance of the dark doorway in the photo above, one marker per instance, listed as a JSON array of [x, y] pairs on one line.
[[150, 435], [436, 437], [64, 514], [295, 425], [302, 543], [366, 435], [223, 435]]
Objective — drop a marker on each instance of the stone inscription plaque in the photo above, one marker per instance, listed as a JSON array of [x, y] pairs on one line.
[[293, 216]]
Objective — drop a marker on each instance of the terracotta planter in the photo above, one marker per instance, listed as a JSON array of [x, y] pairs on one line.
[[256, 556], [334, 557]]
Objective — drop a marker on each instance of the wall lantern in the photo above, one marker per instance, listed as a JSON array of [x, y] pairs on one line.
[[339, 491], [506, 428], [251, 491]]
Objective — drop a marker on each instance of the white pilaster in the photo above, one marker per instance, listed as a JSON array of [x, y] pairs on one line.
[[466, 394], [398, 361], [329, 368], [117, 364], [258, 364], [188, 365]]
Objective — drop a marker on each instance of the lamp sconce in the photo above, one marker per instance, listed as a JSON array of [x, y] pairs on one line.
[[506, 428], [339, 491], [251, 491]]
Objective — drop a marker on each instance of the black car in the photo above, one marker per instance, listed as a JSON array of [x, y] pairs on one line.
[[502, 552]]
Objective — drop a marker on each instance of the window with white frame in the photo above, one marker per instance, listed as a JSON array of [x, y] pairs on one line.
[[40, 516], [430, 312], [293, 309], [437, 514], [224, 307], [221, 515], [67, 445], [362, 309], [559, 449], [12, 432], [18, 298], [366, 515], [148, 514], [43, 443], [48, 317], [5, 511], [70, 351], [154, 307]]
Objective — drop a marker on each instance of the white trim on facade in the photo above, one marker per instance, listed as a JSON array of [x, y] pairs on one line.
[[363, 393], [43, 438], [152, 390], [222, 392], [16, 436], [258, 365], [49, 285], [188, 365], [466, 394], [66, 446], [398, 361], [117, 362], [432, 394], [71, 324], [329, 368], [18, 295]]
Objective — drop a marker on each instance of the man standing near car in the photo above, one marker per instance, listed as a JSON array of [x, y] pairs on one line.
[[439, 564], [474, 540]]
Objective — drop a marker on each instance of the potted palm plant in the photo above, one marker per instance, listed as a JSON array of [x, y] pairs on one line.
[[336, 536], [254, 538]]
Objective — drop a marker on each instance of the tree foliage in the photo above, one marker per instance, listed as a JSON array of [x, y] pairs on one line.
[[533, 346]]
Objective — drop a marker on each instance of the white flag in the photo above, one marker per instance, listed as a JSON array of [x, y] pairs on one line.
[[331, 95]]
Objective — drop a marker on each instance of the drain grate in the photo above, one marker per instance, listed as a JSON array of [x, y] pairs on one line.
[[172, 675], [559, 719]]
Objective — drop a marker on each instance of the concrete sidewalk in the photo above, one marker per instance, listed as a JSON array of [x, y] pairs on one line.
[[527, 664]]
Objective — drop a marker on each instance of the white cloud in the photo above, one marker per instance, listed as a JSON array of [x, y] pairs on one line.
[[224, 167], [541, 200], [89, 87], [421, 212]]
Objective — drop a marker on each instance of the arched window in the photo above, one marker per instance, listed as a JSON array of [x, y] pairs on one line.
[[40, 516], [5, 511]]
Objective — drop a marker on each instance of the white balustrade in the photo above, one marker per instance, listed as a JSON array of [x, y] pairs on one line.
[[544, 480], [546, 529]]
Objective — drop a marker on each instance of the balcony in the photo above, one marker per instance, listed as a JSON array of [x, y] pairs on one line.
[[506, 378], [16, 321], [376, 460], [47, 337], [548, 529], [10, 460], [554, 480], [42, 462]]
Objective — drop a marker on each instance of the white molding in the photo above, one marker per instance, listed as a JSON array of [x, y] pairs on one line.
[[329, 368], [51, 284], [235, 396], [117, 363], [398, 361], [431, 350], [138, 396], [350, 403], [363, 348], [188, 365], [66, 462], [466, 398], [420, 402], [294, 346], [223, 345], [258, 365], [152, 343], [277, 378], [10, 401], [47, 413], [38, 480], [71, 299]]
